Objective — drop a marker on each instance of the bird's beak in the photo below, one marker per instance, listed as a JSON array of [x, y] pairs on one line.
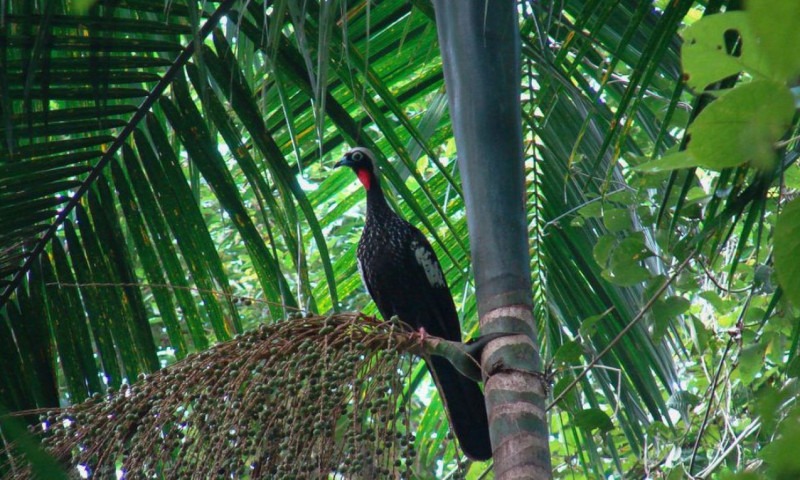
[[343, 162]]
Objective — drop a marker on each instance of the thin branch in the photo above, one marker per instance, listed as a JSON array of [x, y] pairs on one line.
[[717, 461], [712, 389], [716, 283], [787, 142], [735, 334], [575, 209], [625, 330]]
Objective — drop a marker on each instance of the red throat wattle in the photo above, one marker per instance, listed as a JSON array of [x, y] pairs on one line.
[[365, 177]]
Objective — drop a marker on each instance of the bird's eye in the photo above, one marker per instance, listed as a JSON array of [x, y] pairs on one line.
[[358, 156]]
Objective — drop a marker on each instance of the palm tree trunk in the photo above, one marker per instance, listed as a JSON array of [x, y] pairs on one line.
[[480, 49]]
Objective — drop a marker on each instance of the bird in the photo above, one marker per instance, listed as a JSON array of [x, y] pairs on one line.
[[404, 278]]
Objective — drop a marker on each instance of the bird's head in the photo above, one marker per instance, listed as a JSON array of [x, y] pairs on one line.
[[362, 161]]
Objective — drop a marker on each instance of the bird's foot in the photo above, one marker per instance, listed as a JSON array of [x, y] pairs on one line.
[[423, 335]]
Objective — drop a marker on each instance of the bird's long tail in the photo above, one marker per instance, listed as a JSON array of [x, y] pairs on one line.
[[466, 406]]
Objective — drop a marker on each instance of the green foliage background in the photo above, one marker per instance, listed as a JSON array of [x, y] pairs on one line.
[[220, 210]]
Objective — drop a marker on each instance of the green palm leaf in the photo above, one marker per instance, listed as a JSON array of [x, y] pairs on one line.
[[161, 164]]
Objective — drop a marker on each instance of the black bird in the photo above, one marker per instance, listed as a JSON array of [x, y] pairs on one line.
[[404, 278]]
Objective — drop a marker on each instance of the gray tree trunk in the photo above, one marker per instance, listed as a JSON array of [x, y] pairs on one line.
[[480, 47]]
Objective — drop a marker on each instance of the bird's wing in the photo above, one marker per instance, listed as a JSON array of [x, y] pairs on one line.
[[363, 278], [412, 286], [442, 318]]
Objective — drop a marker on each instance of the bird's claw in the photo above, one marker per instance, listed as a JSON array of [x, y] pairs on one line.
[[423, 335]]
